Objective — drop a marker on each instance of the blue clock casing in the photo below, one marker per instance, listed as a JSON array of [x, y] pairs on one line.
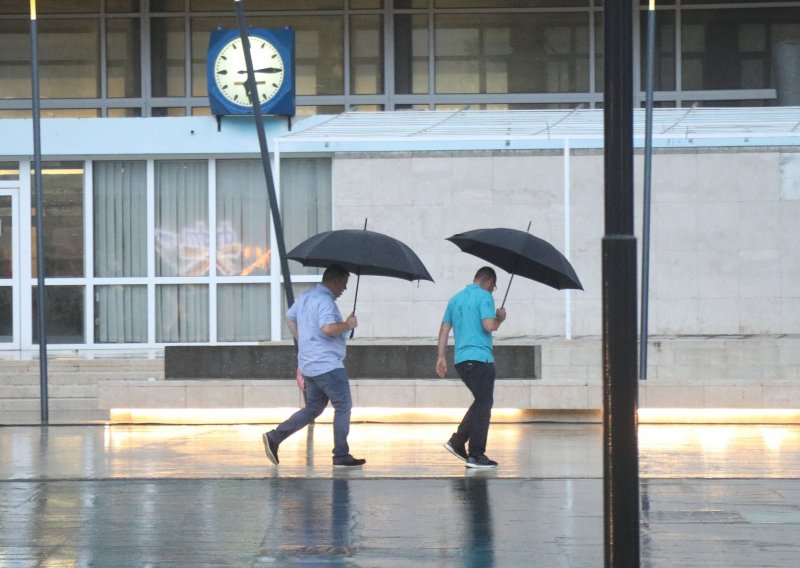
[[272, 52]]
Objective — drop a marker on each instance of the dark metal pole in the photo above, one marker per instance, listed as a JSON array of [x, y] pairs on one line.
[[648, 161], [37, 187], [252, 89], [620, 447]]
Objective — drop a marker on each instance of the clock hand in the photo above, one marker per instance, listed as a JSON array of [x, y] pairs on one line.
[[264, 70]]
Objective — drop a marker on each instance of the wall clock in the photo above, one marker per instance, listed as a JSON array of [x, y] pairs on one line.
[[272, 52]]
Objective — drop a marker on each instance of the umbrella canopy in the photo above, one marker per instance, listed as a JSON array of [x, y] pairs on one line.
[[361, 252], [520, 253]]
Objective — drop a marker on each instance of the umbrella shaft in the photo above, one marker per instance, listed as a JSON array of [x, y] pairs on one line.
[[507, 289]]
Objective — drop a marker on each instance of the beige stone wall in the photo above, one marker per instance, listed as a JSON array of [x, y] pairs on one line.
[[725, 240]]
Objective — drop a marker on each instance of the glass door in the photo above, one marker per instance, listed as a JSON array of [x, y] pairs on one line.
[[9, 271]]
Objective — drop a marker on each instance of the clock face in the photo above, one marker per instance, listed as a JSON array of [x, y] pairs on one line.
[[230, 71]]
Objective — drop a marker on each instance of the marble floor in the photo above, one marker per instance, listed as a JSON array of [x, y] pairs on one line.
[[117, 496]]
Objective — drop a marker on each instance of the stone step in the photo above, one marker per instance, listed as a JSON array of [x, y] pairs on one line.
[[56, 378]]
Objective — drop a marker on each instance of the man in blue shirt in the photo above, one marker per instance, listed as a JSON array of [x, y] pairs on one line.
[[472, 317], [317, 326]]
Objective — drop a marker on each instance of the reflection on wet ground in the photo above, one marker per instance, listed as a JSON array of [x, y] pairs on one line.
[[206, 496]]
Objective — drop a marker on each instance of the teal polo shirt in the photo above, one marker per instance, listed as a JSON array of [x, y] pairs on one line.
[[466, 312]]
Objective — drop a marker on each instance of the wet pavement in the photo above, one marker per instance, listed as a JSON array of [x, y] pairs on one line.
[[119, 496]]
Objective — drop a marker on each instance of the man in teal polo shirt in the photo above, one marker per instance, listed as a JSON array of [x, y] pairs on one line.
[[472, 317]]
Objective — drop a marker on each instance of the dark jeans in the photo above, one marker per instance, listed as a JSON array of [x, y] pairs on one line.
[[334, 386], [474, 427]]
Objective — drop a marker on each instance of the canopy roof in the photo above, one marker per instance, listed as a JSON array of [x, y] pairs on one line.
[[476, 129]]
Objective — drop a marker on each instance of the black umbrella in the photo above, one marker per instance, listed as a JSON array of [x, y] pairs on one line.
[[519, 252], [362, 252]]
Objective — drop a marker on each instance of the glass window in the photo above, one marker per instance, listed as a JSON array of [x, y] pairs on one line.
[[181, 313], [69, 59], [167, 57], [15, 58], [599, 47], [6, 314], [309, 110], [411, 44], [366, 55], [120, 219], [664, 52], [15, 113], [181, 218], [167, 6], [125, 112], [124, 69], [168, 111], [122, 5], [70, 113], [9, 171], [507, 3], [306, 207], [63, 314], [256, 5], [6, 242], [67, 6], [15, 6], [732, 49], [512, 53], [120, 314], [243, 312], [243, 219], [62, 196]]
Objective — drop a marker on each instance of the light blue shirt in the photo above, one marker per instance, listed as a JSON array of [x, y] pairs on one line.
[[466, 312], [317, 353]]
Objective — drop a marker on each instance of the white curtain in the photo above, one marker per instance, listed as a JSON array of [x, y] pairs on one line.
[[242, 219], [181, 313], [181, 209], [120, 219], [120, 250], [182, 249], [120, 314], [243, 312], [243, 249], [306, 207]]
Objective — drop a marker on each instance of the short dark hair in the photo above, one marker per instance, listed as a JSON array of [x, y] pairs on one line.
[[485, 274], [333, 272]]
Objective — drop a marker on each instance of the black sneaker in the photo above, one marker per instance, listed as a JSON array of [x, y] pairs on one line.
[[456, 449], [480, 461], [348, 461], [270, 448]]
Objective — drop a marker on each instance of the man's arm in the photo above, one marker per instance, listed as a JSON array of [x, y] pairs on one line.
[[493, 324], [441, 361], [333, 329], [292, 325]]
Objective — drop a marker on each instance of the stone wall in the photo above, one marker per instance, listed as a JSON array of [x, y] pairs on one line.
[[725, 241]]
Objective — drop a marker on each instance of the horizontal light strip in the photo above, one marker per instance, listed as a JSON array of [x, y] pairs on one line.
[[719, 416], [369, 414], [450, 415]]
